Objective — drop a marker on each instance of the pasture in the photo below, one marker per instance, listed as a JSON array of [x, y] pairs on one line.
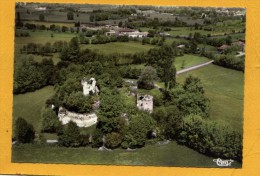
[[225, 89], [187, 60], [51, 15], [171, 154], [119, 47], [29, 105]]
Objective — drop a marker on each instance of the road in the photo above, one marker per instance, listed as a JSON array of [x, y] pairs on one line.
[[194, 67]]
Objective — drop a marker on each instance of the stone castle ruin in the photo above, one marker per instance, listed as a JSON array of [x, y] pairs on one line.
[[82, 120], [145, 103], [89, 86]]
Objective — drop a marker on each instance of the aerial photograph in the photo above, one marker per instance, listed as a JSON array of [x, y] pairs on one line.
[[131, 85]]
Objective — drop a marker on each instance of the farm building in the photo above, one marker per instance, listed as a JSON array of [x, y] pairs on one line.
[[239, 44], [223, 48], [127, 32]]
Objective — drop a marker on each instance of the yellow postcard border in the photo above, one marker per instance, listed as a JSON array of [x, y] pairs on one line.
[[251, 150]]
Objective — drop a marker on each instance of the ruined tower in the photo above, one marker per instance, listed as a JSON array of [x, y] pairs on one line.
[[145, 102], [89, 86]]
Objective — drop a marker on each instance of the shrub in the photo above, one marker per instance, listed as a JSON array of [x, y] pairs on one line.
[[24, 132]]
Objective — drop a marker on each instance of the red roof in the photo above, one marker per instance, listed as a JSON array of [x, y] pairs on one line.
[[224, 47]]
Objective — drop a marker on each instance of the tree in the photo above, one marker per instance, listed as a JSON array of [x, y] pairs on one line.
[[193, 46], [70, 16], [111, 106], [192, 99], [71, 52], [71, 136], [193, 85], [113, 140], [64, 28], [140, 126], [50, 122], [228, 40], [24, 132], [162, 59], [28, 76], [120, 24], [77, 102], [169, 120], [18, 22], [147, 78], [41, 17]]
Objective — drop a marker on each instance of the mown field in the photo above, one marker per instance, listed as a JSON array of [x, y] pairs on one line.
[[171, 154], [187, 60], [42, 37], [29, 105], [225, 89], [119, 47]]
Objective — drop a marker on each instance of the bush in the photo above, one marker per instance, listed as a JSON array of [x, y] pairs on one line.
[[113, 140], [50, 122], [71, 136], [24, 132]]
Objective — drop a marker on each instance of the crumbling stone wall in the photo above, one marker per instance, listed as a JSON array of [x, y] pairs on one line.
[[89, 86], [145, 102], [82, 120]]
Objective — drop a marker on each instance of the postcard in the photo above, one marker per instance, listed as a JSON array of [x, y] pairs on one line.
[[148, 88]]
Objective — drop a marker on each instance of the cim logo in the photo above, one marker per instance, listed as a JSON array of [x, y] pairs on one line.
[[223, 163]]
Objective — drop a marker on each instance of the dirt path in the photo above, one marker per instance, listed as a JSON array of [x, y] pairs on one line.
[[194, 67]]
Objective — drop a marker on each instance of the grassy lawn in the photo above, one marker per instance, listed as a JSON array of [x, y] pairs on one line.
[[225, 89], [171, 154], [42, 37], [119, 47], [189, 61], [29, 105]]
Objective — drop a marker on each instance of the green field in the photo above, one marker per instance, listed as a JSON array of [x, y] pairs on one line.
[[119, 47], [171, 154], [42, 37], [29, 105], [51, 16], [225, 89], [187, 60], [47, 24]]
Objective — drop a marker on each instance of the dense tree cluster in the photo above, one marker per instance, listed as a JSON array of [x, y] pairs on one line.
[[211, 138], [230, 61], [31, 75], [169, 119], [190, 98]]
